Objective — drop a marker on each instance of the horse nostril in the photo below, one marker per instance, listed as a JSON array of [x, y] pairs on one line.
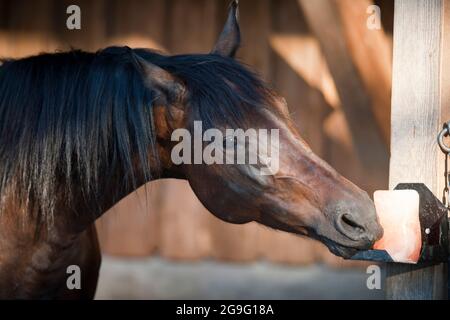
[[348, 226], [349, 221]]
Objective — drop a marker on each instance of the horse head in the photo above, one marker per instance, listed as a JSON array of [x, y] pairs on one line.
[[205, 96]]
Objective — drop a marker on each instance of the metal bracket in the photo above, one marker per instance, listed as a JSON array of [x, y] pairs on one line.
[[433, 218]]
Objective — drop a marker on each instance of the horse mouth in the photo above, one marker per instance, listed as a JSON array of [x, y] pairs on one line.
[[341, 250]]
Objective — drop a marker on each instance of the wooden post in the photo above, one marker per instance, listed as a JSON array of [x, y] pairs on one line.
[[420, 105]]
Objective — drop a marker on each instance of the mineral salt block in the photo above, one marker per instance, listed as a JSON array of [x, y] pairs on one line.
[[398, 212]]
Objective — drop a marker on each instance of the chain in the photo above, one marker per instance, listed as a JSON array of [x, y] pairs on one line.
[[446, 195], [446, 150]]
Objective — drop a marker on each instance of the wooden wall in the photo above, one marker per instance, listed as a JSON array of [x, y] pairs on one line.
[[333, 71]]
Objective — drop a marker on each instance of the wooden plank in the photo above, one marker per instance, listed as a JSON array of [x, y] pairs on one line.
[[184, 223], [387, 15], [324, 20], [4, 17], [138, 23], [286, 248], [420, 100], [193, 27], [30, 31], [130, 228], [255, 22], [5, 45], [372, 56], [302, 53], [301, 81], [231, 242], [342, 156]]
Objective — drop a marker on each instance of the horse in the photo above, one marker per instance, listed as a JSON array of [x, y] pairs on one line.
[[79, 131]]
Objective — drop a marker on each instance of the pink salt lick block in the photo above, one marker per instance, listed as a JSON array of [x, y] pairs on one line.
[[398, 212]]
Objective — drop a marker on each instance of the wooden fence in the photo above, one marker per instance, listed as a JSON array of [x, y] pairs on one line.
[[334, 72]]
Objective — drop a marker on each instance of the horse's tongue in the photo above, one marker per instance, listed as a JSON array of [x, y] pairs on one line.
[[398, 212]]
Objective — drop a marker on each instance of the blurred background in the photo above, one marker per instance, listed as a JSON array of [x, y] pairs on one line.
[[335, 74]]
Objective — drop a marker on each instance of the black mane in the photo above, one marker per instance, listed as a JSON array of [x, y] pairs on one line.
[[68, 120]]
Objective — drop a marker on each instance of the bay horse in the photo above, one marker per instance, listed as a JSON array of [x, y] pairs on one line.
[[79, 131]]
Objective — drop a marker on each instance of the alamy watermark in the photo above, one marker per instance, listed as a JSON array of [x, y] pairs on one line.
[[73, 21], [374, 20], [373, 281], [73, 281], [255, 147]]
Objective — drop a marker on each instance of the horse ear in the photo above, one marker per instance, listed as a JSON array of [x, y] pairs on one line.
[[157, 77], [230, 38]]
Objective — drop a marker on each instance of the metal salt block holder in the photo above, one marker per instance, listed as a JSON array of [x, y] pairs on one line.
[[434, 227]]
